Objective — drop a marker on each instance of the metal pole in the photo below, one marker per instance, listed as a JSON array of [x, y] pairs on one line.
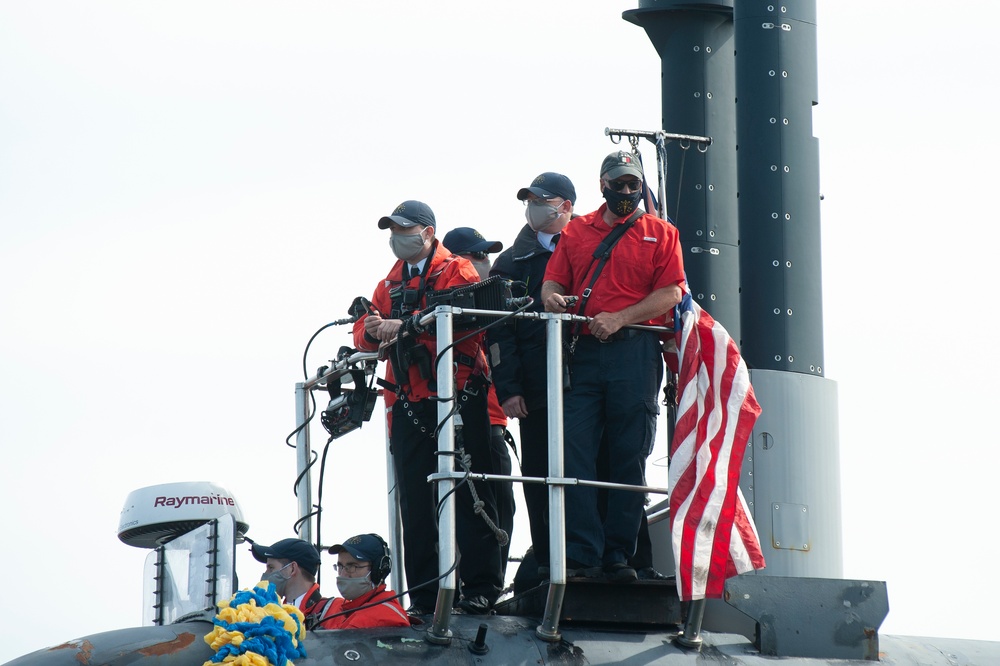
[[439, 632], [303, 487], [548, 630], [690, 637], [395, 540]]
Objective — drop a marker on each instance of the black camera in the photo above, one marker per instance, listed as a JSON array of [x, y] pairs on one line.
[[349, 407]]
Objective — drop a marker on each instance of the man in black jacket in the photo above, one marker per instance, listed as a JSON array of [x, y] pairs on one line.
[[517, 350]]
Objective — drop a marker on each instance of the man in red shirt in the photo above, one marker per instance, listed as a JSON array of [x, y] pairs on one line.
[[616, 371], [291, 565], [363, 563], [424, 265]]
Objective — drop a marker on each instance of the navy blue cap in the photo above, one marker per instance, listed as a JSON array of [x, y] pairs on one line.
[[548, 185], [364, 547], [463, 240], [301, 552], [409, 214]]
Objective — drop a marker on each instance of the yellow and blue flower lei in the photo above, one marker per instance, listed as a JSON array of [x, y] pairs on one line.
[[255, 629]]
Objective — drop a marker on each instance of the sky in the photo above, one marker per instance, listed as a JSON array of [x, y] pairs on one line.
[[189, 190]]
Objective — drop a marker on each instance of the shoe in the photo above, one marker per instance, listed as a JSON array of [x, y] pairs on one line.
[[475, 605], [576, 569], [417, 609], [619, 572], [649, 573]]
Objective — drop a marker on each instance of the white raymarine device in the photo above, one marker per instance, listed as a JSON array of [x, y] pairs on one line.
[[154, 515]]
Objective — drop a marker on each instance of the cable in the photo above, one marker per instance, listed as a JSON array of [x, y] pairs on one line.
[[305, 373], [296, 526], [474, 333]]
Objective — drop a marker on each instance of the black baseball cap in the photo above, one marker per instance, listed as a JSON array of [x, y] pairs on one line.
[[301, 552], [548, 185], [364, 547], [463, 240], [621, 163], [410, 213]]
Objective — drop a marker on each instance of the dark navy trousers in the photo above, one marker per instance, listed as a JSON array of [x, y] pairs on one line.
[[614, 391], [413, 455]]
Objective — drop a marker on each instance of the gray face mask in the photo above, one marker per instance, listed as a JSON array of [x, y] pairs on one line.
[[279, 579], [540, 214], [406, 246], [352, 588]]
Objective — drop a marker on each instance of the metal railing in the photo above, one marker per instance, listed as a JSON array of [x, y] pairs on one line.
[[446, 476]]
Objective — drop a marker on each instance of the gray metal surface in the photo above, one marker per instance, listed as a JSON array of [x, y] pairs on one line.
[[791, 475], [695, 43], [508, 640], [813, 617]]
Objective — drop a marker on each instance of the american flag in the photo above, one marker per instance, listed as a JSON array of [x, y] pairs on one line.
[[713, 534]]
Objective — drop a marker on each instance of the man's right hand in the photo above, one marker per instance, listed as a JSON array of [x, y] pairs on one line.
[[557, 303], [514, 407], [382, 329]]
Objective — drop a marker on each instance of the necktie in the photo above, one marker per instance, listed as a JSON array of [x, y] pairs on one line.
[[555, 240], [414, 272]]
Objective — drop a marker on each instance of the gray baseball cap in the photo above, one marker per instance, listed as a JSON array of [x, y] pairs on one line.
[[621, 163]]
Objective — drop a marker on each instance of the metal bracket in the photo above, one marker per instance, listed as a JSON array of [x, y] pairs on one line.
[[819, 618]]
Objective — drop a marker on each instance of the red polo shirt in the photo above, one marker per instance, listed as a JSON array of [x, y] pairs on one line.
[[648, 257]]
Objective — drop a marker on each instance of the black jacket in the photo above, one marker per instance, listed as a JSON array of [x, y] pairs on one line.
[[516, 349]]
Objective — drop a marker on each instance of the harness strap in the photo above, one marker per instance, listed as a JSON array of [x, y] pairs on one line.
[[601, 255]]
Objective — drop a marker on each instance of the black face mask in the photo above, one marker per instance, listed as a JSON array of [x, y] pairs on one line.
[[620, 203]]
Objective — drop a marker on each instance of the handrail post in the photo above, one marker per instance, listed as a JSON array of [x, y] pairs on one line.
[[690, 636], [303, 485], [548, 630], [395, 525], [439, 632]]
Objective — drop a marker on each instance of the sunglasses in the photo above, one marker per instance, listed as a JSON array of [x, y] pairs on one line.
[[619, 185]]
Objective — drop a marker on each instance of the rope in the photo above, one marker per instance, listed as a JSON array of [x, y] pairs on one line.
[[465, 460]]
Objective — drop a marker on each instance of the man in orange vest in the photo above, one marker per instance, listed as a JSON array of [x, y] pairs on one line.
[[424, 265], [363, 563]]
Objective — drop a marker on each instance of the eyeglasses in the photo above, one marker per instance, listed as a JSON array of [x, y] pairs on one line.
[[619, 185], [478, 256], [350, 567]]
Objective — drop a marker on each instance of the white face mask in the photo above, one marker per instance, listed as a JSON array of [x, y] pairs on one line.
[[406, 246], [352, 588], [540, 214]]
